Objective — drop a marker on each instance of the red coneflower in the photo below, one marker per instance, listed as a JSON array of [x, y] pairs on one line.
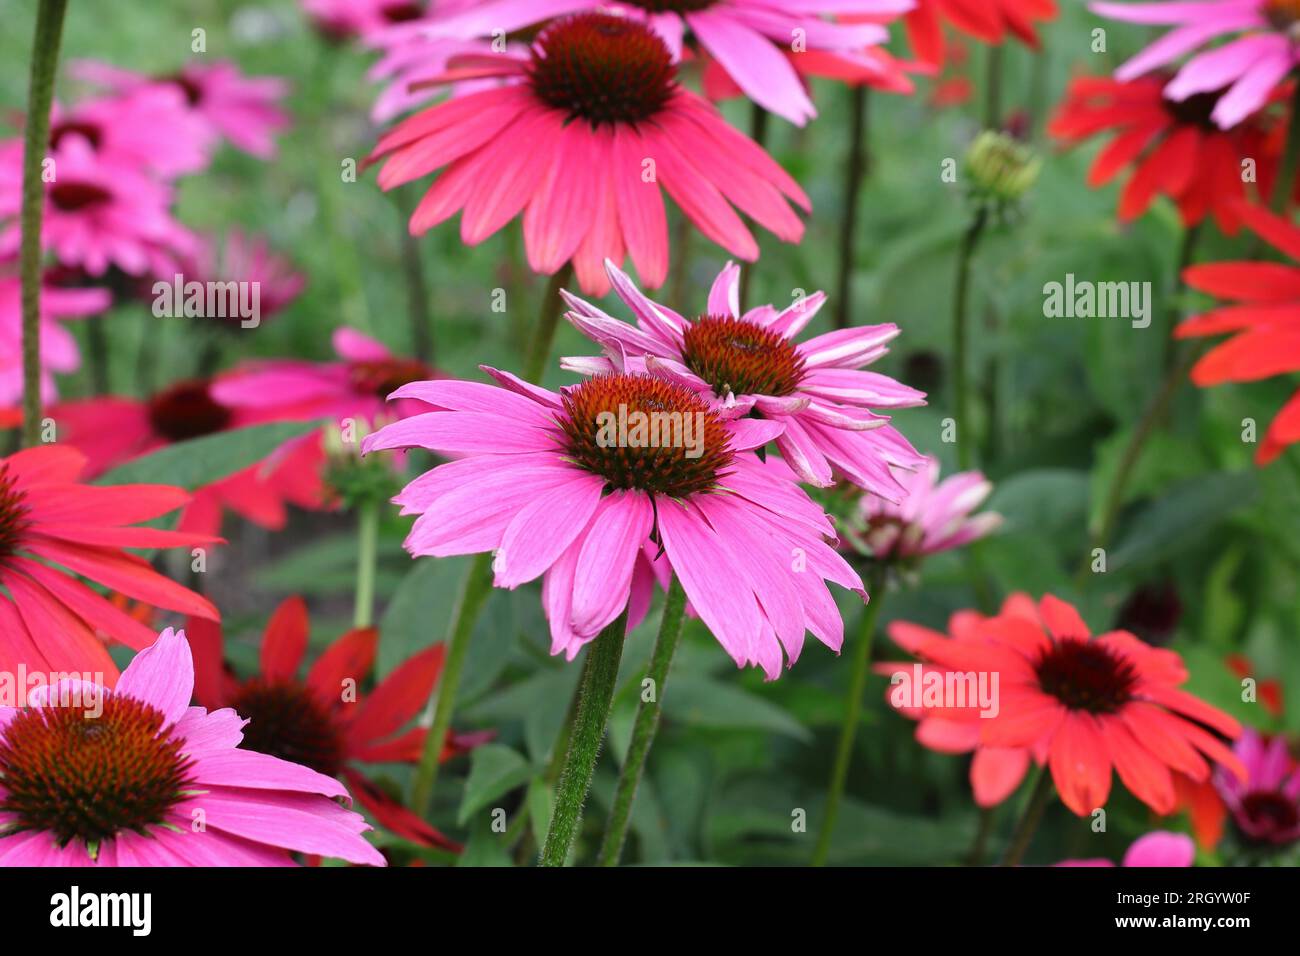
[[989, 21], [1173, 147], [324, 721], [1264, 322], [49, 619]]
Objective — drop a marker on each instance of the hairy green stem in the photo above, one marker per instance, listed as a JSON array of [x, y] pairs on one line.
[[855, 173], [40, 93], [647, 723], [596, 695], [367, 559], [852, 716], [539, 350], [960, 334]]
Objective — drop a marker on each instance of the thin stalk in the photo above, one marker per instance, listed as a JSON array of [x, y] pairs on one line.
[[976, 855], [993, 88], [367, 559], [539, 350], [1029, 820], [417, 287], [1284, 187], [647, 723], [855, 173], [960, 332], [40, 93], [758, 128], [596, 696], [852, 716]]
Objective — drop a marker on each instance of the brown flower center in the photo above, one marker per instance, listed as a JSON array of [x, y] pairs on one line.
[[75, 196], [82, 777], [187, 410], [89, 131], [286, 720], [382, 377], [603, 69], [735, 356], [1272, 813], [672, 6], [1284, 15], [1085, 675], [636, 431], [13, 514]]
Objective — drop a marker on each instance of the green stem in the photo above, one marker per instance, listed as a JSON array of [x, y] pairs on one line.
[[855, 173], [417, 287], [473, 595], [759, 122], [539, 350], [596, 695], [367, 558], [1030, 819], [40, 93], [1284, 187], [993, 89], [852, 716], [961, 295], [976, 855], [647, 723]]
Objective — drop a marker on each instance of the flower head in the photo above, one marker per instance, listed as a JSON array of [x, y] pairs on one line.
[[813, 391], [348, 19], [96, 777], [321, 721], [596, 99], [1265, 806], [49, 619], [1157, 848], [59, 351], [989, 21], [1000, 169], [612, 483], [1261, 323], [1248, 48], [250, 262], [934, 515], [148, 128], [1171, 147]]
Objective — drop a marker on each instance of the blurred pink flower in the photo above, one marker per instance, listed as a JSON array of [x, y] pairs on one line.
[[537, 484], [349, 19], [58, 347], [607, 125], [1266, 806], [100, 211], [242, 258], [128, 795], [244, 110], [298, 390], [149, 128], [748, 38], [743, 363], [934, 516], [1252, 47], [1158, 848]]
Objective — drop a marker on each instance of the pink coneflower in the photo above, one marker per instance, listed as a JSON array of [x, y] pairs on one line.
[[354, 387], [150, 128], [315, 721], [111, 430], [349, 19], [1249, 66], [417, 68], [1265, 805], [51, 620], [58, 347], [99, 212], [1158, 848], [250, 261], [995, 772], [934, 516], [243, 110], [750, 362], [134, 776], [542, 481], [748, 38], [873, 67], [607, 124]]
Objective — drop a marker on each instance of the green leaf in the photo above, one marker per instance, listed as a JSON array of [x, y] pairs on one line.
[[201, 461], [702, 702], [494, 770], [1186, 512]]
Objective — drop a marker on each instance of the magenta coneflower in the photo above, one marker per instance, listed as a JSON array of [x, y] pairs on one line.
[[249, 260], [243, 110], [58, 348], [607, 124], [749, 362], [934, 516], [1266, 805], [99, 212], [150, 128], [750, 39], [134, 776], [555, 487], [1258, 51], [348, 19]]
